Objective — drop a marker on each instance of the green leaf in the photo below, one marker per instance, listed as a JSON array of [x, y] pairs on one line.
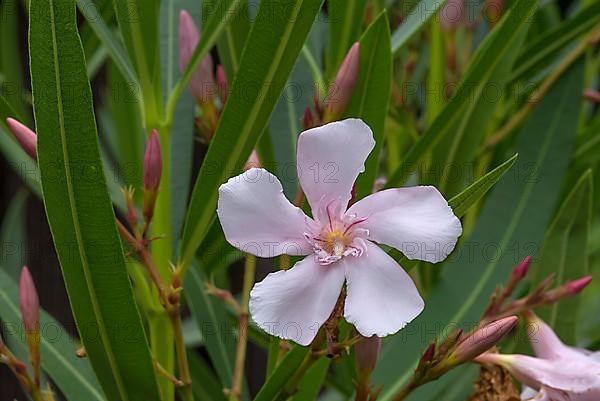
[[92, 15], [282, 373], [127, 129], [231, 43], [461, 202], [491, 54], [510, 226], [372, 92], [79, 210], [310, 385], [204, 383], [13, 235], [565, 254], [273, 46], [138, 22], [72, 375], [539, 53], [214, 324], [11, 69], [345, 25], [417, 19]]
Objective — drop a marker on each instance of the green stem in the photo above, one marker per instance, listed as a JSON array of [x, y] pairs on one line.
[[292, 385], [161, 340], [184, 370], [240, 356]]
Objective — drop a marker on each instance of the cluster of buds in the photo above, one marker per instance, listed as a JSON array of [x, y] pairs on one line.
[[502, 305], [338, 95], [30, 313], [203, 81], [459, 348]]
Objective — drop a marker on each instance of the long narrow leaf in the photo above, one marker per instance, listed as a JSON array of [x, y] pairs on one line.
[[565, 254], [79, 209]]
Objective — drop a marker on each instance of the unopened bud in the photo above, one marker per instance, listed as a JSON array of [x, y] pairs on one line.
[[30, 312], [152, 163], [428, 354], [366, 353], [592, 95], [483, 339], [28, 301], [152, 174], [576, 286], [26, 137], [202, 82], [522, 268], [253, 161], [222, 83], [308, 120], [341, 90]]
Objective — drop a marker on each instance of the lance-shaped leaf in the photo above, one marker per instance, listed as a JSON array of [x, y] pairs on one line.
[[79, 210], [275, 41], [565, 254], [416, 20]]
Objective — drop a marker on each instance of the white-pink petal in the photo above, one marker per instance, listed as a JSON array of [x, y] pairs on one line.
[[293, 304], [257, 218], [415, 220], [381, 297], [331, 157]]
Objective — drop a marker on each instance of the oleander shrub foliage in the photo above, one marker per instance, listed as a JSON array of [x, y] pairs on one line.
[[383, 200]]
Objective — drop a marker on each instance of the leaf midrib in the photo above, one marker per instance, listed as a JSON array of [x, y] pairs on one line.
[[74, 215]]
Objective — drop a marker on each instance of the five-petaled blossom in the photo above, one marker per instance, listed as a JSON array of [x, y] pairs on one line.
[[558, 373], [341, 242]]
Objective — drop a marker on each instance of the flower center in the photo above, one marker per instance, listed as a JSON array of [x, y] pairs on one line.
[[335, 235]]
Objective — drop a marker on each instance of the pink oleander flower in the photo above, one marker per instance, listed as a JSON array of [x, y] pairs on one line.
[[557, 373], [340, 243]]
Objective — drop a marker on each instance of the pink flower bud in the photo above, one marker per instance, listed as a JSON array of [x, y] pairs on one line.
[[223, 83], [366, 353], [428, 354], [308, 120], [26, 137], [341, 90], [483, 339], [29, 302], [152, 163], [576, 286], [522, 268], [592, 95], [202, 82]]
